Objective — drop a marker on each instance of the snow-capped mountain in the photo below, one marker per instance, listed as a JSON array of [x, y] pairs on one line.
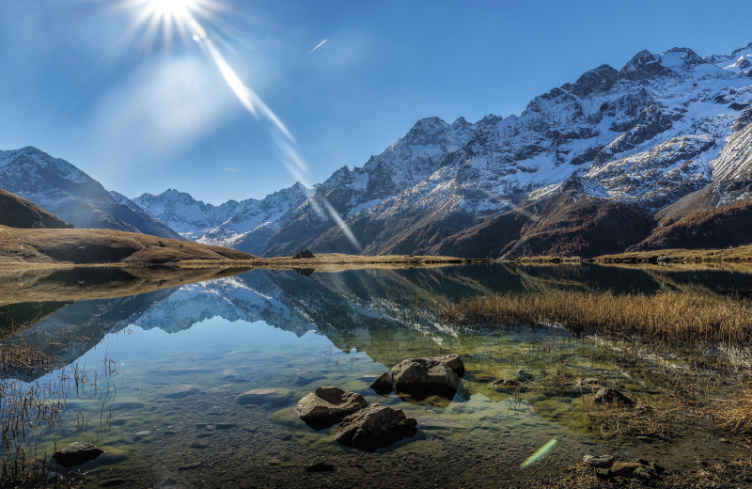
[[229, 224], [644, 135], [71, 194], [615, 143]]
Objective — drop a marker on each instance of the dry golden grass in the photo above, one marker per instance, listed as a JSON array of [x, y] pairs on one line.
[[731, 255], [736, 414], [547, 260], [687, 317], [103, 246]]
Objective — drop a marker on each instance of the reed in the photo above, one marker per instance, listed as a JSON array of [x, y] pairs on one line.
[[677, 317]]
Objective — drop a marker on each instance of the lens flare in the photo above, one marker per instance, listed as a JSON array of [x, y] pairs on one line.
[[539, 453], [184, 16]]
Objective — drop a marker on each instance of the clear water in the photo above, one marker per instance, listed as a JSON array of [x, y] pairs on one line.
[[163, 371]]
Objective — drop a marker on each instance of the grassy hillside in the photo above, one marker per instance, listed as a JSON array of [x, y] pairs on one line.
[[101, 246], [719, 227], [18, 212]]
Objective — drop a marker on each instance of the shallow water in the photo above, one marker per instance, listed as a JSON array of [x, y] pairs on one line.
[[159, 375]]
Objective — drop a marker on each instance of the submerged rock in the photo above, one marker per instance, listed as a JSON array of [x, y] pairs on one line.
[[589, 385], [599, 461], [514, 384], [77, 453], [327, 406], [180, 391], [375, 427], [423, 376], [260, 396], [321, 467], [640, 470], [607, 395]]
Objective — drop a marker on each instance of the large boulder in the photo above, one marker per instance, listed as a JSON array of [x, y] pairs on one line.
[[375, 427], [423, 376], [77, 453], [327, 406]]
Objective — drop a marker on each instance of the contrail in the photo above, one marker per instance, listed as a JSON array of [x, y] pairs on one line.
[[293, 162], [319, 46]]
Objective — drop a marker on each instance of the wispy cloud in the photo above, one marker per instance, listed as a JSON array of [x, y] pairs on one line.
[[230, 169], [319, 45]]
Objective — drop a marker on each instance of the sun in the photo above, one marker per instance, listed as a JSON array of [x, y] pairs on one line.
[[171, 10], [172, 18]]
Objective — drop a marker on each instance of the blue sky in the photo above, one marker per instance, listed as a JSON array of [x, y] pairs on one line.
[[79, 82]]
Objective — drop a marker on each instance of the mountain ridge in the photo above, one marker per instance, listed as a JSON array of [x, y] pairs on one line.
[[71, 194]]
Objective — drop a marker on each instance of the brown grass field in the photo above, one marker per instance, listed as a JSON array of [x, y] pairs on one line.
[[60, 248], [737, 254], [684, 317]]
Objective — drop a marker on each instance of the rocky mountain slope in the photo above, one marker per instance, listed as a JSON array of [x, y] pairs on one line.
[[589, 167], [71, 194], [18, 212], [245, 225]]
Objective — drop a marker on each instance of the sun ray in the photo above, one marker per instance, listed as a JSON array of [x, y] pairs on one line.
[[183, 18]]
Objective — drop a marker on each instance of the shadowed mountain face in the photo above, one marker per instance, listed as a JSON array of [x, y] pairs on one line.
[[350, 308]]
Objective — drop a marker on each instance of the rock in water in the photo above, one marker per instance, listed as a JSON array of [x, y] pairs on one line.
[[383, 385], [77, 453], [607, 395], [599, 461], [327, 406], [261, 396], [427, 376], [375, 427]]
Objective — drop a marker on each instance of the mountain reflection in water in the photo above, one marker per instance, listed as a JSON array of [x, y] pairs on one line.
[[185, 353]]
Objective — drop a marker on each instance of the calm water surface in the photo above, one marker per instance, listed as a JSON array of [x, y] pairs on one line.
[[160, 373]]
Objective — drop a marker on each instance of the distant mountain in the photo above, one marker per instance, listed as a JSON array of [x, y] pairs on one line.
[[246, 225], [71, 194], [589, 167], [18, 212]]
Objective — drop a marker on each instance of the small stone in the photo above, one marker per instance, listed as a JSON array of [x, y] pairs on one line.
[[523, 376], [77, 453], [142, 434], [624, 468], [606, 395], [258, 396], [600, 461], [181, 391], [321, 467], [327, 406], [588, 385]]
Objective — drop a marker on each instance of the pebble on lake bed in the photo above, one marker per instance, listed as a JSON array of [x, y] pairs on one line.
[[77, 453]]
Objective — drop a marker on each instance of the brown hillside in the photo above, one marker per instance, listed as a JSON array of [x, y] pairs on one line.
[[720, 227], [565, 223], [102, 246], [18, 212]]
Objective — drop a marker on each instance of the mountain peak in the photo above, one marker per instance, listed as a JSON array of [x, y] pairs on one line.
[[643, 65], [599, 79]]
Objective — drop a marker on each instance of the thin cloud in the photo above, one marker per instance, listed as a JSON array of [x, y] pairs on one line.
[[230, 169], [319, 45]]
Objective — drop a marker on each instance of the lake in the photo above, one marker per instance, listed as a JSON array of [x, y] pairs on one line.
[[154, 379]]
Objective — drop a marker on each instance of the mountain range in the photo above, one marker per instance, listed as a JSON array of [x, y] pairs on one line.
[[657, 153], [69, 193]]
